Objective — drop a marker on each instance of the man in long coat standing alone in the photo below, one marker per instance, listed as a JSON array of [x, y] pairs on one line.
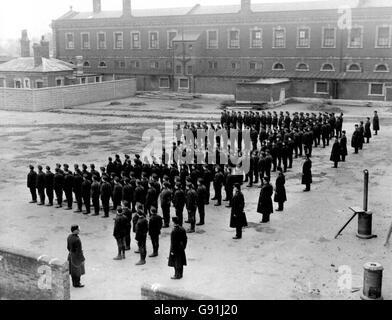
[[307, 173], [75, 257], [343, 146], [265, 200], [280, 190], [335, 153], [376, 123], [177, 257], [238, 217]]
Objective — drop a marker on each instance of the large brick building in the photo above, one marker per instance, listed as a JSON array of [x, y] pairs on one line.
[[210, 49]]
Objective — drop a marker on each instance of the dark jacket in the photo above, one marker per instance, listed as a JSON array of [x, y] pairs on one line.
[[106, 190], [95, 189], [141, 229], [120, 226], [178, 244], [166, 197], [40, 181], [58, 181], [343, 146], [49, 180], [179, 199], [32, 179], [151, 198], [86, 188], [68, 182], [191, 200], [238, 217], [117, 192], [155, 225], [280, 190], [202, 195], [265, 199]]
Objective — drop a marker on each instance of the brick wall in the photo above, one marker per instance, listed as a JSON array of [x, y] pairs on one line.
[[158, 292], [25, 276], [261, 92], [66, 96]]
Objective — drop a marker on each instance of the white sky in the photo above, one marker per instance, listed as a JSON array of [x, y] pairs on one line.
[[36, 15]]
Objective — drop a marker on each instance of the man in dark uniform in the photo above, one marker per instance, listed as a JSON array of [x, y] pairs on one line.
[[355, 139], [141, 236], [307, 173], [238, 218], [191, 206], [94, 172], [218, 182], [179, 202], [202, 197], [151, 199], [166, 197], [58, 184], [86, 193], [40, 185], [117, 193], [75, 257], [111, 167], [105, 192], [85, 172], [49, 185], [95, 193], [32, 184], [77, 188], [154, 230], [128, 214], [177, 257], [343, 146], [120, 233], [335, 153]]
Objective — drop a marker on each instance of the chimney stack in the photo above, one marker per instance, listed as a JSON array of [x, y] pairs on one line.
[[97, 6], [24, 45], [45, 48], [246, 6], [127, 10], [37, 55]]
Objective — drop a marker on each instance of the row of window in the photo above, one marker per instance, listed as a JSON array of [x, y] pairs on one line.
[[164, 83], [375, 88], [278, 66], [355, 38]]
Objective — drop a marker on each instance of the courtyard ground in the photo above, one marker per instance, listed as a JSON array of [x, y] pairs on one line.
[[295, 256]]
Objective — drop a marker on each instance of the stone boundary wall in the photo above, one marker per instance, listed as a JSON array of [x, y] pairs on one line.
[[159, 292], [34, 100], [25, 276]]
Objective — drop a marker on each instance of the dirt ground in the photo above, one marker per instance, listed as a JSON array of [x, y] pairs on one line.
[[295, 256]]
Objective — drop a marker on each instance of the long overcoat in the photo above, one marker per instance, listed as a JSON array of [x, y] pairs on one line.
[[280, 190], [238, 217], [307, 172], [179, 239], [376, 123], [265, 199], [335, 153], [75, 256]]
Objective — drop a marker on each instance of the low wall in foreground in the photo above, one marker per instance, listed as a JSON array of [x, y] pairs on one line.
[[25, 276], [158, 292]]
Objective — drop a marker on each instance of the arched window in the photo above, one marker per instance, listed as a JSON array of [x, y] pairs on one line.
[[327, 67], [302, 67], [278, 66], [381, 68], [86, 64], [354, 67], [102, 64]]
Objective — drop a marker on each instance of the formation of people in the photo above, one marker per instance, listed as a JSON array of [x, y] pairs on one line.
[[137, 188]]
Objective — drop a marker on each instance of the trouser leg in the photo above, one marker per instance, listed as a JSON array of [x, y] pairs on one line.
[[179, 214], [239, 232], [33, 192]]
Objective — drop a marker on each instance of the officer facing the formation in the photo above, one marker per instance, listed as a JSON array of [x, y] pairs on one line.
[[75, 257], [343, 146], [280, 190], [177, 256], [32, 184], [335, 153], [238, 217]]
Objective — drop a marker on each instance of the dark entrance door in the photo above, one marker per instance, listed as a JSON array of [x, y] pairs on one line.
[[335, 90]]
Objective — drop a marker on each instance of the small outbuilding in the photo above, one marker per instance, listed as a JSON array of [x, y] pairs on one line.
[[263, 91]]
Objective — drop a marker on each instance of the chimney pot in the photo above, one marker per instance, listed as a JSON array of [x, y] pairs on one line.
[[37, 55]]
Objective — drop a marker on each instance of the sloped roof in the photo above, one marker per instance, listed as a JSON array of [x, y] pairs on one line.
[[27, 65], [231, 9]]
